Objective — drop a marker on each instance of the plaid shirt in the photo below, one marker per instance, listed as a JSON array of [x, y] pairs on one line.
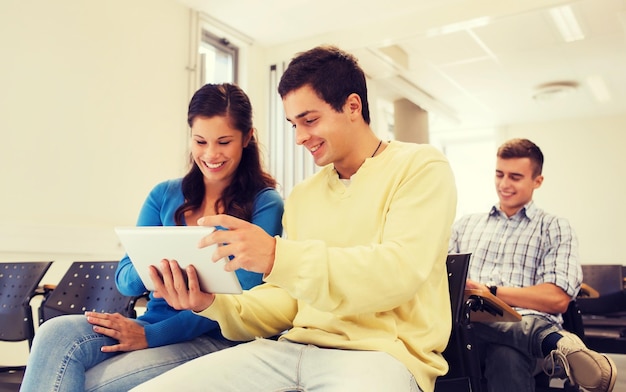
[[529, 248]]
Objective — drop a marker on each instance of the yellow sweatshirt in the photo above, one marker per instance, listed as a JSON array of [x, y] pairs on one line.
[[361, 267]]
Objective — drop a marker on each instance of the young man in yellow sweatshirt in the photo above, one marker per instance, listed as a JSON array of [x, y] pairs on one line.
[[357, 288]]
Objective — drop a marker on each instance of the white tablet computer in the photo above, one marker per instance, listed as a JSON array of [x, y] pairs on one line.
[[148, 245]]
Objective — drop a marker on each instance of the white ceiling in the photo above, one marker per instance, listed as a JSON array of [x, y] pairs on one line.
[[478, 62]]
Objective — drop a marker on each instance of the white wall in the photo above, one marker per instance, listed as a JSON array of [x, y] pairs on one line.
[[92, 115]]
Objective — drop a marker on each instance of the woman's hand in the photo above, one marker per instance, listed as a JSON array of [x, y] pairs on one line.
[[180, 293], [130, 334]]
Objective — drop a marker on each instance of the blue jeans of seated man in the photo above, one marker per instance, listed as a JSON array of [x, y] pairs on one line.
[[66, 357], [510, 351], [281, 366]]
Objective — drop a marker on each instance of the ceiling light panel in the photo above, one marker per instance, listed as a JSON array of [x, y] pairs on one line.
[[566, 22]]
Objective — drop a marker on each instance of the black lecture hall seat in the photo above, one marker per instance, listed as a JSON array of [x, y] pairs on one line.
[[87, 285], [18, 285]]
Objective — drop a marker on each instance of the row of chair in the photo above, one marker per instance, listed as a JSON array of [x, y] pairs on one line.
[[90, 285], [86, 285]]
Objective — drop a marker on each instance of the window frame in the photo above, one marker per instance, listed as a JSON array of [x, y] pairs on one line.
[[222, 45]]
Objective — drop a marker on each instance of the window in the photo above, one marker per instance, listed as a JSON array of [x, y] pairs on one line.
[[218, 59]]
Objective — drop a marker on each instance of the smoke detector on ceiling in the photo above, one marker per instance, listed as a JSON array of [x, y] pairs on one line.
[[554, 90]]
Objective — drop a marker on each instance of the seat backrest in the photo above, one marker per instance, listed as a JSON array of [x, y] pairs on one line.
[[457, 265], [608, 280], [87, 286], [462, 374], [605, 278], [18, 282]]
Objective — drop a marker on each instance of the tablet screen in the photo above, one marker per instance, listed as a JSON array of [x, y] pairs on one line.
[[148, 245]]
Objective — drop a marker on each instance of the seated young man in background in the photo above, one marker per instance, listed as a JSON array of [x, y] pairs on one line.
[[529, 259]]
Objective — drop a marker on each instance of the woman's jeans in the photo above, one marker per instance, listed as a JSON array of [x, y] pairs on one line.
[[272, 366], [510, 351], [66, 357]]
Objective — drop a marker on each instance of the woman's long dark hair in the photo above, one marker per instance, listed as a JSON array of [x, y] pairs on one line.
[[238, 197]]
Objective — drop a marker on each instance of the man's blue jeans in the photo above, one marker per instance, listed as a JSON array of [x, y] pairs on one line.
[[510, 351]]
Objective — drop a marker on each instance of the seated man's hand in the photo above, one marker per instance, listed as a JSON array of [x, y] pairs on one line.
[[130, 334], [180, 293], [473, 285], [250, 247]]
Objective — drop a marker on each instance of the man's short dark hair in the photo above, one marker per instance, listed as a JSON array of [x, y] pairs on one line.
[[523, 148], [331, 72]]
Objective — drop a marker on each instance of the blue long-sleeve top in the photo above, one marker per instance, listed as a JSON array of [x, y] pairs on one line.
[[164, 324]]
